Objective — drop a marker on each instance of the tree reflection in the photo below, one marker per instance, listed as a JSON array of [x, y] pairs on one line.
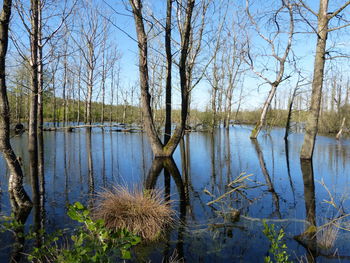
[[39, 203], [21, 214], [286, 142], [91, 180], [308, 238], [170, 169], [269, 183]]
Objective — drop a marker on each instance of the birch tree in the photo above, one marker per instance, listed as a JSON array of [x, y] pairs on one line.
[[18, 195]]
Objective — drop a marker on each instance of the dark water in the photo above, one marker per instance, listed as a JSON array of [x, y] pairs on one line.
[[77, 165]]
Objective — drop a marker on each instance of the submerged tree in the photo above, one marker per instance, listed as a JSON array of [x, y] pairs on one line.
[[278, 53], [160, 149], [323, 19], [17, 192]]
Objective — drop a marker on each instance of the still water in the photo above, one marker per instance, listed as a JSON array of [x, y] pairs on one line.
[[281, 190]]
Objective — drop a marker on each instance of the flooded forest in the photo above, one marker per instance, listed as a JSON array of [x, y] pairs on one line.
[[174, 131]]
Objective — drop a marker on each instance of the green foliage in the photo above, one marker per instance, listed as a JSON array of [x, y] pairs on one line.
[[93, 242], [278, 248], [90, 242]]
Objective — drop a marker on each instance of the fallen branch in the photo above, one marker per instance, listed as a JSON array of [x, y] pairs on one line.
[[225, 194]]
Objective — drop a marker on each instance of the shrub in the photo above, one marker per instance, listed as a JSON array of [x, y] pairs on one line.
[[278, 248], [144, 213]]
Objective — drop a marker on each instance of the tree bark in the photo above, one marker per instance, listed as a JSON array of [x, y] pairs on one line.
[[90, 83], [290, 107], [167, 132], [79, 89], [65, 81], [149, 126], [15, 186], [103, 79], [33, 111], [341, 129], [264, 111], [112, 96], [317, 83], [184, 81], [158, 148], [40, 69]]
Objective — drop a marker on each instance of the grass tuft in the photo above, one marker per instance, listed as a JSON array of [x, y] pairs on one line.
[[145, 213], [327, 236]]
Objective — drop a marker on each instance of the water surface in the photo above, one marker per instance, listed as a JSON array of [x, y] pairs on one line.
[[284, 192]]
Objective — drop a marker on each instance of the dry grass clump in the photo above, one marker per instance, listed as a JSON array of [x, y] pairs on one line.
[[144, 213], [327, 236]]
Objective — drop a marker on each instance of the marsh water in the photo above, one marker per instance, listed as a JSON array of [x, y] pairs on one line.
[[281, 189]]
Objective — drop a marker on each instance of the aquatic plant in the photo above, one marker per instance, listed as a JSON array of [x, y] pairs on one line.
[[327, 235], [144, 213], [277, 247]]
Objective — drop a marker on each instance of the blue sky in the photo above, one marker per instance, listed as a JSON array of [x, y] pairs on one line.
[[256, 92]]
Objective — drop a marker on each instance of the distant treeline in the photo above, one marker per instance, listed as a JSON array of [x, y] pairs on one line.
[[330, 120]]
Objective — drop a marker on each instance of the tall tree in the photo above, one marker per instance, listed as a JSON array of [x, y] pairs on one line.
[[33, 110], [89, 43], [167, 130], [17, 192], [160, 149], [323, 19]]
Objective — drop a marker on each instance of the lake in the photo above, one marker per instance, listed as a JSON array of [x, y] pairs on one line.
[[280, 189]]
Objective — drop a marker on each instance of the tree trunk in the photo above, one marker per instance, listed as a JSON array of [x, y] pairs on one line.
[[341, 129], [65, 81], [33, 114], [15, 186], [79, 88], [33, 111], [213, 107], [317, 83], [158, 148], [290, 107], [112, 96], [89, 93], [261, 122], [167, 130], [103, 80], [228, 110], [40, 70], [149, 126]]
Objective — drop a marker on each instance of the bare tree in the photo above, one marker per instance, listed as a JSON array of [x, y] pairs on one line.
[[159, 149], [217, 71], [18, 195], [273, 41], [33, 110], [323, 19], [169, 57], [89, 42], [233, 63]]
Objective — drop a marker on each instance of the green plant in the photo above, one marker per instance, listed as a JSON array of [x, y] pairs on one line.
[[93, 242], [277, 247], [90, 242]]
